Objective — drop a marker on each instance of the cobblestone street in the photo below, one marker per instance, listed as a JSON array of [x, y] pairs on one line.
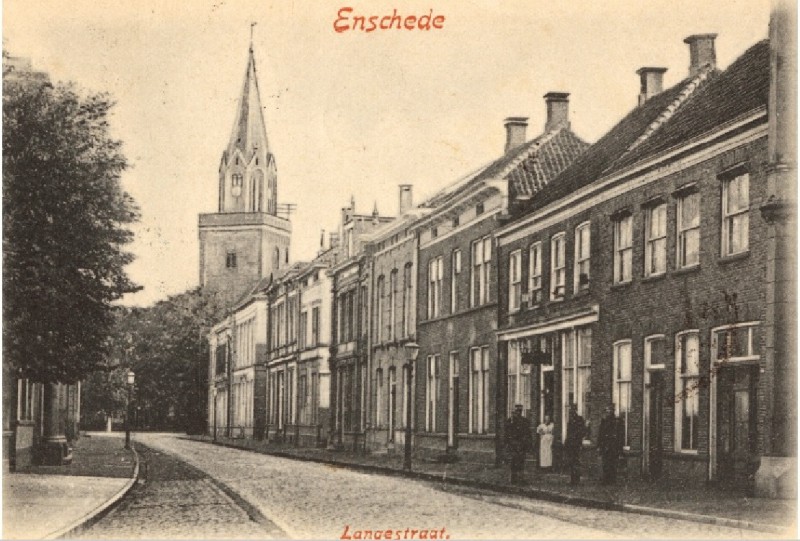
[[175, 500], [310, 500]]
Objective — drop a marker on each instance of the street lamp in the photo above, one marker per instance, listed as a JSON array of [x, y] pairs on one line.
[[130, 379], [412, 351]]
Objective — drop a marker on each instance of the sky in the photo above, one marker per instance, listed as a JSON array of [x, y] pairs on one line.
[[346, 112]]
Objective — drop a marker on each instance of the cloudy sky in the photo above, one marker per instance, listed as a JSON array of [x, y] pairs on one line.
[[351, 112]]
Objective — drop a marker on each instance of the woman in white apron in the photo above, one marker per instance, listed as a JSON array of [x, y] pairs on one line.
[[545, 431]]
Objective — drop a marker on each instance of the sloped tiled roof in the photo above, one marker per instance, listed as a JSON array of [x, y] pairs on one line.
[[528, 167], [740, 89]]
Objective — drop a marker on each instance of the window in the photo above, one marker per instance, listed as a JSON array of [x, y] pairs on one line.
[[582, 256], [431, 392], [25, 400], [379, 397], [481, 271], [302, 398], [408, 300], [392, 399], [236, 179], [535, 273], [623, 249], [479, 390], [230, 260], [435, 268], [622, 386], [655, 237], [558, 267], [315, 398], [479, 209], [687, 385], [434, 232], [315, 326], [654, 351], [576, 365], [735, 343], [455, 273], [514, 281], [519, 379], [688, 230], [303, 331], [392, 319], [381, 298], [735, 214]]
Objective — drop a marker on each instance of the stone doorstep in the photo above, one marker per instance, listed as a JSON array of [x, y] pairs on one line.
[[536, 493]]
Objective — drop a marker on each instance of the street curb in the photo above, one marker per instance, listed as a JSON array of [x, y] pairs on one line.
[[100, 511], [538, 494]]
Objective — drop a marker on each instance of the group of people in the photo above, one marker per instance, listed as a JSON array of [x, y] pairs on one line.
[[519, 442]]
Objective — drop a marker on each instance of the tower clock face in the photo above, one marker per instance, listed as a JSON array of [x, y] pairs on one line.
[[236, 191]]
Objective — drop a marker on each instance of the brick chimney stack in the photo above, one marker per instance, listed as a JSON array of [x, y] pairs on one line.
[[557, 111], [516, 127], [701, 52], [406, 198], [652, 82]]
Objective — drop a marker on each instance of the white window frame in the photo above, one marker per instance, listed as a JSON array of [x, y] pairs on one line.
[[558, 266], [379, 397], [731, 217], [535, 273], [621, 379], [478, 389], [583, 254], [480, 290], [685, 389], [519, 379], [455, 274], [435, 268], [380, 297], [25, 404], [655, 244], [431, 392], [514, 281], [684, 233], [623, 254], [752, 346], [572, 366], [393, 304]]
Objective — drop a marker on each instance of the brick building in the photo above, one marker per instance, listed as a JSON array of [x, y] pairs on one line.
[[457, 401], [636, 277]]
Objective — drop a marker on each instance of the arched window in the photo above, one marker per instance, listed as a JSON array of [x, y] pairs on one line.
[[277, 260]]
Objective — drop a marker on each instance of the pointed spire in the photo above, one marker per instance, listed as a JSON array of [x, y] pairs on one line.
[[249, 132], [375, 213]]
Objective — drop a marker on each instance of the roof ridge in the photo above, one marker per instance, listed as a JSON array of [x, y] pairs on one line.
[[669, 111]]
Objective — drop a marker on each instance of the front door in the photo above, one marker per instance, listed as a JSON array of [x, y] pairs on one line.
[[736, 429], [655, 421]]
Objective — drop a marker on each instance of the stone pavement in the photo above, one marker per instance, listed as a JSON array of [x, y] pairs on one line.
[[700, 503], [45, 501], [177, 501]]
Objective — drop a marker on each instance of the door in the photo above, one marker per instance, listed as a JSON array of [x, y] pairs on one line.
[[736, 429], [655, 419], [392, 401], [548, 396]]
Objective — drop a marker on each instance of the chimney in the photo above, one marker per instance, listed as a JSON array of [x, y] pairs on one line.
[[406, 200], [515, 131], [334, 239], [652, 82], [701, 52], [557, 111]]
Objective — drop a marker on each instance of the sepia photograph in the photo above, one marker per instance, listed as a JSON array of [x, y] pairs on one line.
[[399, 269]]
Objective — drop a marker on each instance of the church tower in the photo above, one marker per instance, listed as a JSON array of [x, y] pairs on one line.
[[245, 240]]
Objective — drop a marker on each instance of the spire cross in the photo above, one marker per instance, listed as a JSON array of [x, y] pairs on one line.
[[251, 32]]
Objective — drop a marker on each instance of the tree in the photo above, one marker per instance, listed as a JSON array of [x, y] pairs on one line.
[[64, 231]]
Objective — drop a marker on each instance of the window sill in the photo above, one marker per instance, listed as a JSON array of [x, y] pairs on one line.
[[723, 260], [654, 277], [557, 299], [686, 270], [621, 285], [581, 292]]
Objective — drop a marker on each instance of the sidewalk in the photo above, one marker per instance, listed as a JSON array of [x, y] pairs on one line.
[[44, 502], [700, 503]]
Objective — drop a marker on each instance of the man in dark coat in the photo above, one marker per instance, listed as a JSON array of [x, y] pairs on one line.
[[576, 431], [609, 445], [518, 441]]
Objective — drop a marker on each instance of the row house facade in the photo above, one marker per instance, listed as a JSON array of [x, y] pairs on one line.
[[636, 278], [457, 397], [350, 323]]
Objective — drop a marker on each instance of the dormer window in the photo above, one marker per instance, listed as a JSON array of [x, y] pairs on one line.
[[230, 260], [479, 209]]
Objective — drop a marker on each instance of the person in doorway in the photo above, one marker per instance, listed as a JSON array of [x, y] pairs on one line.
[[609, 445], [517, 442], [545, 431], [576, 430]]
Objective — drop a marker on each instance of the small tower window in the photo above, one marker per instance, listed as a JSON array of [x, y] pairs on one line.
[[230, 260], [237, 179]]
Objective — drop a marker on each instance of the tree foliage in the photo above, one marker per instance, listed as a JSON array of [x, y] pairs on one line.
[[166, 347], [64, 227]]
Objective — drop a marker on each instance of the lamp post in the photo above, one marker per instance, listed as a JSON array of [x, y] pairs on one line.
[[214, 393], [130, 379], [412, 351]]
